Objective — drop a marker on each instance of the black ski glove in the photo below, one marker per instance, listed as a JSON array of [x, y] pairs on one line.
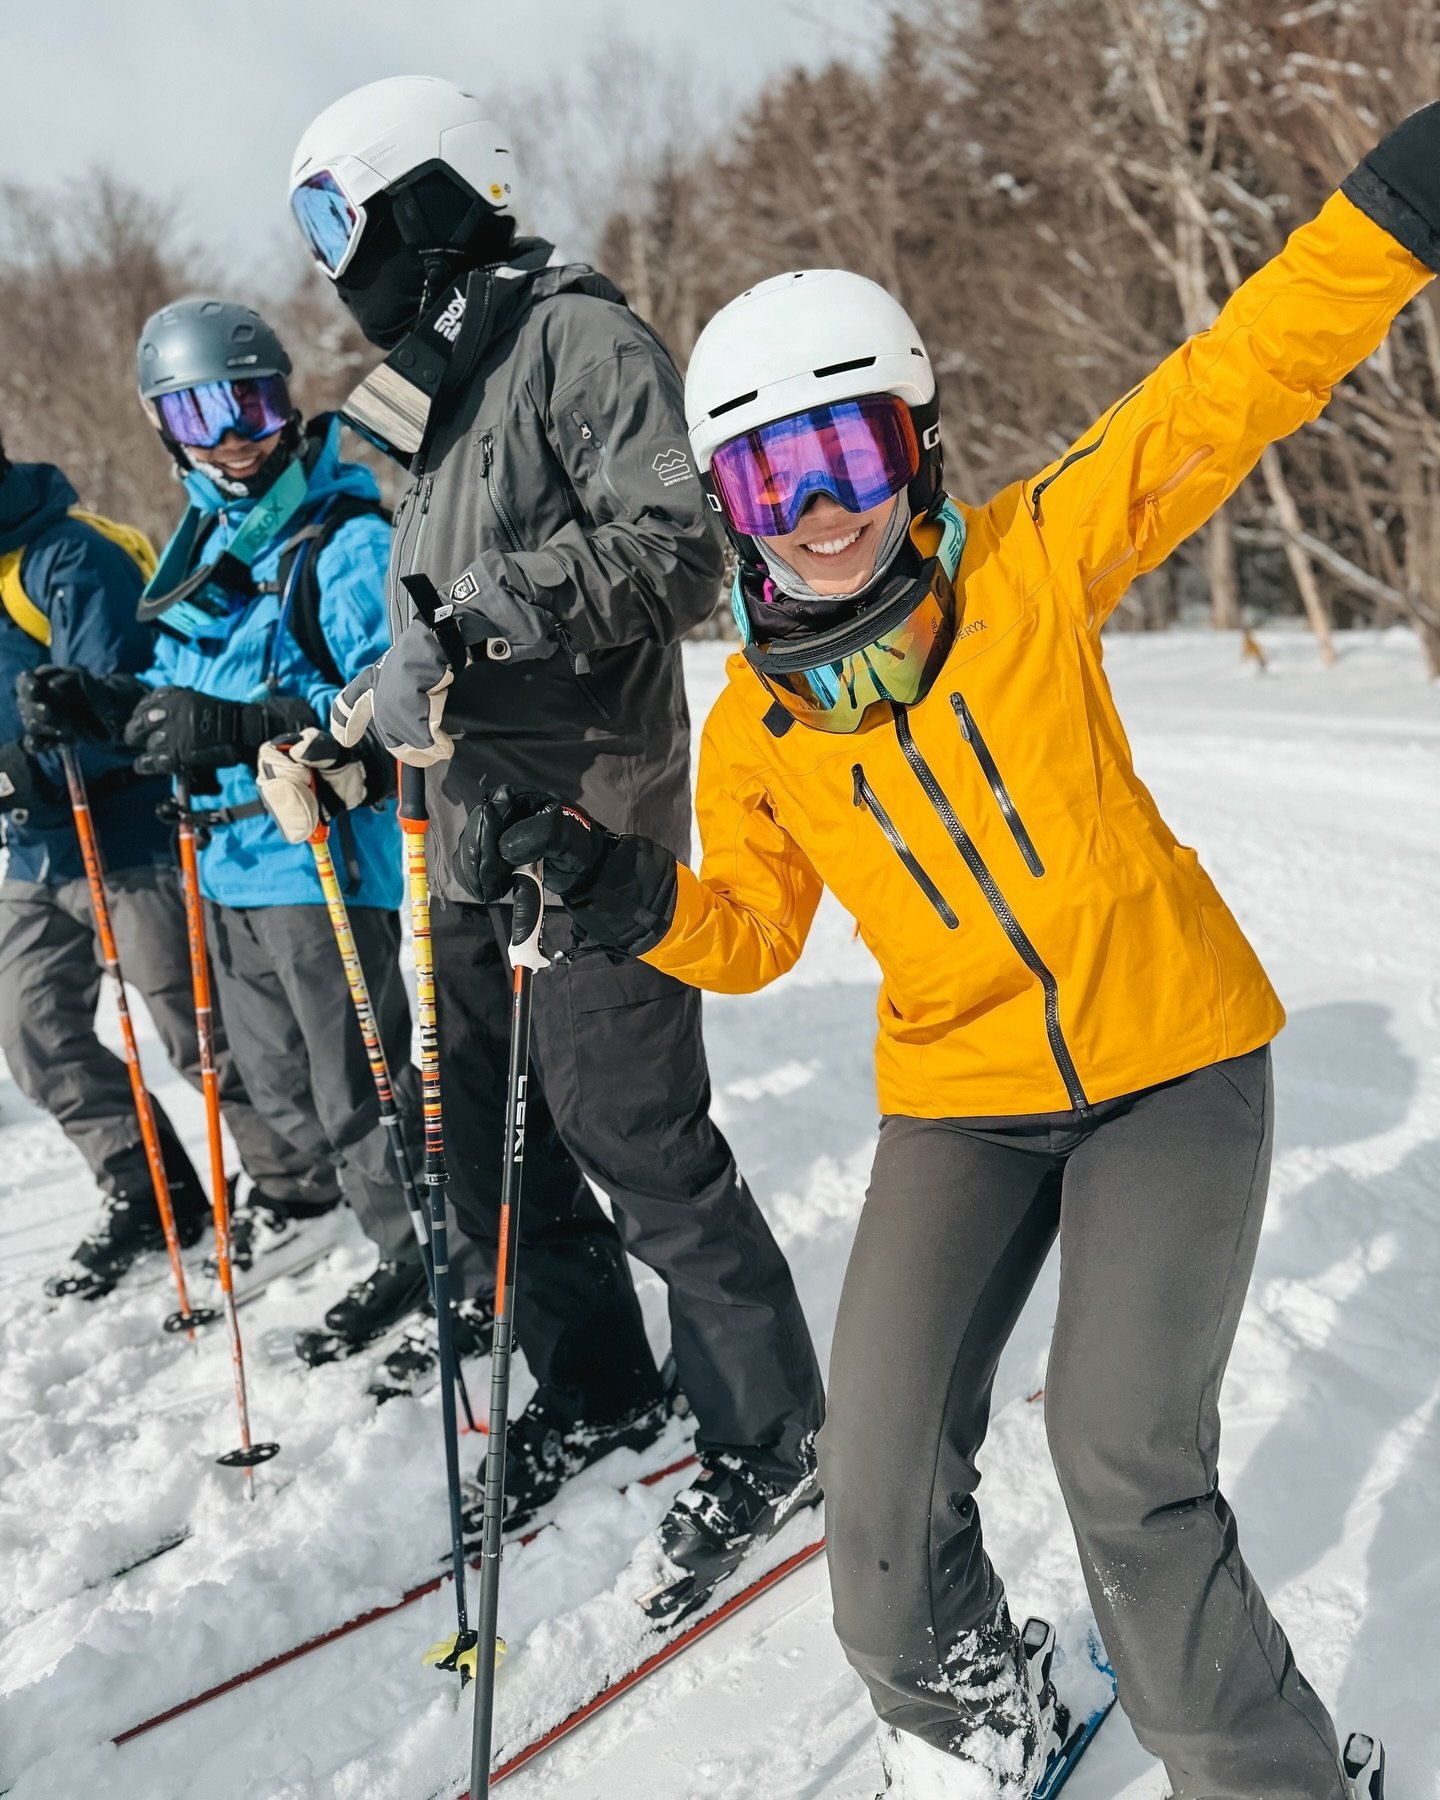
[[180, 732], [619, 888], [67, 706], [1398, 184], [19, 788]]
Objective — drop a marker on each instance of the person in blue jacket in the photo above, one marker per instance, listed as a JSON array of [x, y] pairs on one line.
[[69, 583], [269, 596]]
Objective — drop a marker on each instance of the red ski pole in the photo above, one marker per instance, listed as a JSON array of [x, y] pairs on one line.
[[187, 1318], [249, 1453]]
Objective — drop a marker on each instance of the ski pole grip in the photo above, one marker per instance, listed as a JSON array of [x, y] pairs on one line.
[[414, 814], [439, 614], [528, 918]]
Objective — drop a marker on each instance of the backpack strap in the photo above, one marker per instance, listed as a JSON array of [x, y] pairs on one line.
[[17, 603], [23, 610], [301, 595]]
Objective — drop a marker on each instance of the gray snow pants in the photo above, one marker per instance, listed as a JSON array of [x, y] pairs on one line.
[[50, 977], [621, 1084], [281, 988], [1157, 1199]]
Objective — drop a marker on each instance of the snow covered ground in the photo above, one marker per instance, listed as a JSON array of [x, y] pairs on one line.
[[1315, 801]]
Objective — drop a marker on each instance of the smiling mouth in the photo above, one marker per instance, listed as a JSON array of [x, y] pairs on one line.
[[836, 546]]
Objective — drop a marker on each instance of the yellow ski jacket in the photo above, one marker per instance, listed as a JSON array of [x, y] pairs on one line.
[[1045, 941]]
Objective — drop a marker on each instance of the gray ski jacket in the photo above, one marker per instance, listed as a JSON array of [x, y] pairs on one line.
[[556, 495]]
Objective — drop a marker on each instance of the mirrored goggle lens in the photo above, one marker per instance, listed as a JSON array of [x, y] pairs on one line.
[[858, 451], [199, 417], [898, 666], [327, 218]]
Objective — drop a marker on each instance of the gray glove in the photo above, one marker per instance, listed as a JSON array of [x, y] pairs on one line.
[[402, 698]]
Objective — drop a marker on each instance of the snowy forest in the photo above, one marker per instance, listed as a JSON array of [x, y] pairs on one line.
[[1059, 191]]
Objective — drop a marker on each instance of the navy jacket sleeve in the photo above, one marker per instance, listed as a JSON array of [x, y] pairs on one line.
[[89, 589]]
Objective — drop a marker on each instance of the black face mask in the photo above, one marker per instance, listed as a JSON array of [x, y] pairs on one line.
[[416, 240]]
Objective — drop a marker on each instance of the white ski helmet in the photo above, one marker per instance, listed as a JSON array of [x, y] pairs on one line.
[[802, 340], [377, 136]]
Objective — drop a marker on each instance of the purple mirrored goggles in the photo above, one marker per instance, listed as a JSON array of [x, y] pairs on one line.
[[252, 407], [860, 452]]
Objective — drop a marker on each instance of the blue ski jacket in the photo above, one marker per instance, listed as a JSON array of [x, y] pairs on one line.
[[87, 587], [247, 862]]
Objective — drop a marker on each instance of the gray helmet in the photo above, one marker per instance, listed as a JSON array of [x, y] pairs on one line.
[[197, 340]]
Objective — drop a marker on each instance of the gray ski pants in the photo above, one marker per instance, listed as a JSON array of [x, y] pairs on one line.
[[1157, 1199], [50, 978], [281, 988]]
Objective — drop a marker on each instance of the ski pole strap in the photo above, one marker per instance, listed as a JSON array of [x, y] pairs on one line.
[[528, 918]]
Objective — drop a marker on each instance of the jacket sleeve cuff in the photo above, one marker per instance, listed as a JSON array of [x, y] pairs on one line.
[[1398, 185], [494, 619]]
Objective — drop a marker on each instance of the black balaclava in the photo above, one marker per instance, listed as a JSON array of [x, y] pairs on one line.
[[418, 236]]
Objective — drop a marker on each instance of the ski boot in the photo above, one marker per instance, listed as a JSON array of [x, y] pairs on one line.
[[547, 1444], [367, 1311], [727, 1510], [270, 1238], [1007, 1723], [413, 1367], [1364, 1764], [129, 1228]]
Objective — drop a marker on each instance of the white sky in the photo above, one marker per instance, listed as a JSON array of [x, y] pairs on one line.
[[201, 102]]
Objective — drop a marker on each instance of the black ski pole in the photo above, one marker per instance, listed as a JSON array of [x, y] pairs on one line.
[[526, 957], [414, 823]]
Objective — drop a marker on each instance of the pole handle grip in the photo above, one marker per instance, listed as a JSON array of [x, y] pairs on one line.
[[414, 813], [528, 918]]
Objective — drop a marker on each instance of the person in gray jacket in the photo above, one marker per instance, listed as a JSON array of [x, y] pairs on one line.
[[555, 504]]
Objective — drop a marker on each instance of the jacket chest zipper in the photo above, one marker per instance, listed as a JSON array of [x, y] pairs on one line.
[[866, 801], [1000, 906], [970, 731], [418, 498], [497, 505]]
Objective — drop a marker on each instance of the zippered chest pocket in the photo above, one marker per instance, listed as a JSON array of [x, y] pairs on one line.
[[970, 731], [504, 518], [866, 801]]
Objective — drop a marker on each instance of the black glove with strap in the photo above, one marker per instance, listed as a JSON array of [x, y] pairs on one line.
[[1398, 184], [180, 732], [69, 706], [619, 888], [19, 780]]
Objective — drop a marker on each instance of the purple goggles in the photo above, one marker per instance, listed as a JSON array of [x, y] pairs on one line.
[[860, 452], [251, 407]]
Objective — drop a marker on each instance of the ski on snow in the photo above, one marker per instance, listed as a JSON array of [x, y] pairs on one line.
[[658, 1647], [1084, 1697], [357, 1623]]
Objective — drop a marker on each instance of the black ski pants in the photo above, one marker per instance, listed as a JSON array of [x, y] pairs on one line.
[[281, 987], [50, 980], [1157, 1199], [620, 1088]]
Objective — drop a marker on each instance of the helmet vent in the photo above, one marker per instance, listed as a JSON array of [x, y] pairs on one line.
[[844, 368], [730, 405]]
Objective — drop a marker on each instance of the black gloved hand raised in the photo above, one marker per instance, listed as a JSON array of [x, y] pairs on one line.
[[619, 888], [1398, 184], [179, 732], [68, 705]]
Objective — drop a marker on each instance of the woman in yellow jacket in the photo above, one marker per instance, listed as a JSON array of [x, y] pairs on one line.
[[1073, 1029]]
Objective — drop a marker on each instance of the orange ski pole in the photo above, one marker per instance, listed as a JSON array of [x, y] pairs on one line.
[[249, 1453], [187, 1318]]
